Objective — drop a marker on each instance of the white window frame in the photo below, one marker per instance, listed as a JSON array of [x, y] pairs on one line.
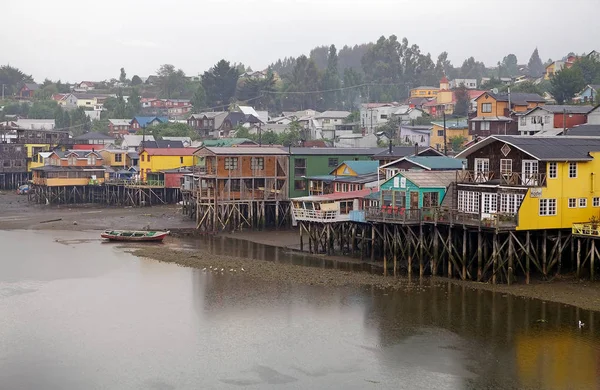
[[482, 165], [485, 125], [572, 203], [486, 107], [548, 207], [231, 163], [257, 163], [596, 201], [505, 166], [552, 170], [582, 203], [574, 166], [469, 201]]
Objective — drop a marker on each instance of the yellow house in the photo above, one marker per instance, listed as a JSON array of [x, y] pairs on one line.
[[424, 91], [161, 159], [33, 158], [494, 111], [531, 183], [454, 128], [38, 160], [116, 158]]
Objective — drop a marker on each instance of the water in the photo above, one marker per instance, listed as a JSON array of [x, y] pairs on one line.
[[79, 314]]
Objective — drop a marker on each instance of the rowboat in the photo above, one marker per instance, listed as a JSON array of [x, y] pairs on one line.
[[134, 235]]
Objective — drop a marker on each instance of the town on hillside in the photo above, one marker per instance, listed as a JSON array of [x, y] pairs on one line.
[[511, 151]]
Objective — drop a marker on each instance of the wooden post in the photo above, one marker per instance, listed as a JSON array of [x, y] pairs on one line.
[[494, 257], [479, 255], [450, 254], [510, 259], [578, 272], [396, 236], [385, 245], [434, 261], [421, 266], [592, 258], [301, 241], [464, 254], [544, 258], [372, 243], [527, 256]]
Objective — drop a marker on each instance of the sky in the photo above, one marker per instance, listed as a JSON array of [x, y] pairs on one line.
[[73, 40]]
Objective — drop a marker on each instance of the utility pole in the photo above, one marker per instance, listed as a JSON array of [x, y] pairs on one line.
[[445, 142], [564, 121]]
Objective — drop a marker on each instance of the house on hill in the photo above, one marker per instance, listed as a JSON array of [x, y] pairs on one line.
[[28, 90]]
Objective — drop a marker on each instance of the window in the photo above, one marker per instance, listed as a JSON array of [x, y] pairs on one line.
[[118, 157], [332, 162], [6, 164], [231, 163], [505, 166], [300, 167], [180, 160], [257, 163], [300, 185], [596, 201], [440, 133], [547, 119], [552, 170], [17, 163], [91, 160], [486, 107], [484, 126], [468, 202], [547, 207], [149, 158], [582, 202], [142, 158], [522, 121], [572, 203], [572, 169], [72, 160], [344, 187], [430, 199], [383, 116], [509, 203]]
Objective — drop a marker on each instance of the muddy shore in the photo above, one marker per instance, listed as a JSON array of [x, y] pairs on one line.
[[17, 213]]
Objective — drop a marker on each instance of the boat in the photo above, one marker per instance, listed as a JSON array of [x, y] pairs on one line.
[[134, 235]]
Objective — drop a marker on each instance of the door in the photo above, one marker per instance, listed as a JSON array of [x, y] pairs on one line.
[[489, 205], [529, 173], [482, 170], [414, 200]]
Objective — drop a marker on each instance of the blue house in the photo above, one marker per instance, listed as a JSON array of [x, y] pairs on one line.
[[416, 189], [141, 122], [589, 94], [422, 163], [348, 176]]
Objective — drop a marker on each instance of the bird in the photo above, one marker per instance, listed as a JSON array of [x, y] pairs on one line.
[[581, 324], [231, 270], [222, 270], [243, 270], [204, 269]]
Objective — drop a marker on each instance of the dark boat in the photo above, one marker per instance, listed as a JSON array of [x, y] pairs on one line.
[[134, 235]]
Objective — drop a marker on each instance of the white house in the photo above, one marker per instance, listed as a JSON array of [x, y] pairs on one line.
[[468, 83], [331, 122], [542, 118], [415, 135], [593, 117], [132, 142], [407, 114], [33, 124], [373, 115]]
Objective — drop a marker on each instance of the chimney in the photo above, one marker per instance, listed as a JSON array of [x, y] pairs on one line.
[[416, 148]]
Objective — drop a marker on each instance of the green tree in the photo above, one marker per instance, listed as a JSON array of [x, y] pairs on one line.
[[220, 83], [382, 64], [527, 87], [243, 132], [443, 67], [134, 103], [13, 79], [136, 80], [269, 138], [100, 126], [472, 69], [590, 69], [352, 96], [462, 101], [42, 109], [457, 142], [173, 130], [331, 82], [305, 77], [509, 64], [565, 84], [171, 81], [535, 65], [123, 76], [199, 99]]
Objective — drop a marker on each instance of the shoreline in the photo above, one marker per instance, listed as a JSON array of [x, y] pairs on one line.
[[17, 213]]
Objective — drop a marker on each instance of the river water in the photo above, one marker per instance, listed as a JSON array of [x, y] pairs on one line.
[[76, 313]]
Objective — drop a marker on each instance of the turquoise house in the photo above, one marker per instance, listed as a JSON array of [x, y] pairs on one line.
[[416, 189]]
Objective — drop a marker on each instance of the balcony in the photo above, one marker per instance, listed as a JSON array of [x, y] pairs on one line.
[[323, 216], [506, 179], [586, 229], [393, 215], [443, 215]]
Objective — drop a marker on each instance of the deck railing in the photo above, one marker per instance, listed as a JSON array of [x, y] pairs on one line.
[[520, 179], [453, 216], [474, 176], [310, 215], [393, 214], [586, 229], [126, 182]]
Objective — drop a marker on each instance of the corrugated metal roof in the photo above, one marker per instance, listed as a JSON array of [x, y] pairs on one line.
[[360, 179], [586, 130], [360, 167], [429, 179], [544, 148], [335, 196], [336, 151], [334, 114], [246, 150], [169, 151], [438, 162]]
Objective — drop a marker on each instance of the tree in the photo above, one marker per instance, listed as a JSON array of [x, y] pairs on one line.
[[220, 83], [123, 76], [527, 87], [100, 126], [565, 84], [199, 99], [136, 80], [42, 109], [13, 79], [462, 101], [134, 103], [509, 65], [535, 65], [170, 81], [382, 64], [457, 142], [590, 69], [352, 96], [472, 69], [443, 67], [173, 130], [331, 81]]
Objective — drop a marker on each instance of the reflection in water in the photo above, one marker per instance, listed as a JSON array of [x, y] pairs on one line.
[[86, 315]]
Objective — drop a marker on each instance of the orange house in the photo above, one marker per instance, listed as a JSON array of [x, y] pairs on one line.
[[242, 173], [496, 112], [70, 168]]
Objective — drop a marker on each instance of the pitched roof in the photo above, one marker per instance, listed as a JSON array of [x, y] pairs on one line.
[[334, 114], [120, 122], [403, 151], [587, 130], [458, 123], [92, 135], [169, 151], [360, 179], [158, 144], [544, 148], [429, 179], [306, 151], [246, 150], [437, 162], [32, 86], [360, 167], [135, 140], [518, 98], [228, 142], [335, 196], [144, 120], [558, 109]]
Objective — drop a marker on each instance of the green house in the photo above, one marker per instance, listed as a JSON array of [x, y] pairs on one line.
[[307, 162], [416, 189]]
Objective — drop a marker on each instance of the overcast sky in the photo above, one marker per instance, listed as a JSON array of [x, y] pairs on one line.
[[76, 40]]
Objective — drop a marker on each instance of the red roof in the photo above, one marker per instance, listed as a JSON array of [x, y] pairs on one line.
[[444, 80], [169, 151]]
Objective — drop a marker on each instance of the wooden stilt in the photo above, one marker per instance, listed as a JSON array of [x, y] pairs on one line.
[[592, 258], [527, 256], [479, 255], [578, 272], [494, 257], [464, 255]]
